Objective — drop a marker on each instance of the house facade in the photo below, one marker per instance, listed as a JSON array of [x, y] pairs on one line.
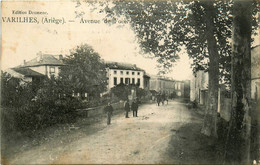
[[45, 64], [125, 73]]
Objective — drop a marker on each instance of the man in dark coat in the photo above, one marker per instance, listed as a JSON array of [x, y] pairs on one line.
[[158, 99], [127, 108], [134, 108], [109, 110]]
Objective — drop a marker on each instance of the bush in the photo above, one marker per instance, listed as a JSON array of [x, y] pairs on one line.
[[27, 110]]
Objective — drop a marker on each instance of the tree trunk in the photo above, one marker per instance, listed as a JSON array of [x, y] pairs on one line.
[[210, 118], [238, 141]]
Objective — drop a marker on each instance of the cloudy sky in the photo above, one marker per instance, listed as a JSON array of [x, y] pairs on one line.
[[22, 41]]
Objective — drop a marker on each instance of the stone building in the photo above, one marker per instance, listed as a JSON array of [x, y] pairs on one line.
[[127, 74]]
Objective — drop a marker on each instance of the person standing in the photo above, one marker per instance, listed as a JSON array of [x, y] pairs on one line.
[[134, 108], [127, 108], [109, 110], [158, 98]]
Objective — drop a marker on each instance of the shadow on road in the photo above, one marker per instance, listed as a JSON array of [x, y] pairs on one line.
[[188, 146]]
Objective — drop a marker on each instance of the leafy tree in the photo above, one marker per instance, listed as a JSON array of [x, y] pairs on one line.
[[84, 72], [121, 91], [237, 143], [15, 92]]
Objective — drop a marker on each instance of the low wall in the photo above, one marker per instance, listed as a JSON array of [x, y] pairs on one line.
[[90, 112]]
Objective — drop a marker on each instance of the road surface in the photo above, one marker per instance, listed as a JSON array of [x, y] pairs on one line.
[[147, 138]]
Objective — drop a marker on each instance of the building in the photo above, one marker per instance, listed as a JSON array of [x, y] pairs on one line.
[[199, 87], [179, 88], [44, 65], [26, 75], [162, 84], [167, 85], [126, 74]]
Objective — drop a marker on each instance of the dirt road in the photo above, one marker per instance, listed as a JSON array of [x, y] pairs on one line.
[[149, 138]]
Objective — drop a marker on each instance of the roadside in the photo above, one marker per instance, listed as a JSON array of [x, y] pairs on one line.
[[17, 142]]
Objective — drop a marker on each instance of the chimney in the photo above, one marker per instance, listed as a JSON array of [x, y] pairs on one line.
[[39, 56], [60, 57]]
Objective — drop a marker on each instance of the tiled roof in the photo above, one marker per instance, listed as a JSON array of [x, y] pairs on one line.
[[28, 72], [122, 66], [44, 59]]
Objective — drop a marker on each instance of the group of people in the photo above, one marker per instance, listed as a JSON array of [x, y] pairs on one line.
[[134, 107], [161, 98]]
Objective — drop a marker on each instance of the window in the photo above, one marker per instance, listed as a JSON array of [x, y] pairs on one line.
[[121, 72], [127, 73], [179, 86], [133, 80], [133, 73], [138, 81], [176, 86], [127, 80], [115, 81], [115, 72], [121, 80], [138, 73], [52, 69]]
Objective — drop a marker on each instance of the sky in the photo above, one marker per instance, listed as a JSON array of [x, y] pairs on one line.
[[22, 41]]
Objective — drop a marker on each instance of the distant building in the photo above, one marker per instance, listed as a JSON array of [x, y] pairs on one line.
[[162, 84], [199, 87], [126, 74], [167, 85], [179, 88]]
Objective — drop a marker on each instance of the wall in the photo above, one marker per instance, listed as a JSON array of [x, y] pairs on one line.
[[91, 112]]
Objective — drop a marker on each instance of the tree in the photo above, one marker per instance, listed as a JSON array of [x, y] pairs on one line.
[[238, 144], [84, 72], [14, 91], [121, 91]]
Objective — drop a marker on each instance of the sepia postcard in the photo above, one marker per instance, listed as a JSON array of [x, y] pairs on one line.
[[130, 82]]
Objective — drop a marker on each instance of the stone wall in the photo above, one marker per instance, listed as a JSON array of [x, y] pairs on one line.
[[90, 112]]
